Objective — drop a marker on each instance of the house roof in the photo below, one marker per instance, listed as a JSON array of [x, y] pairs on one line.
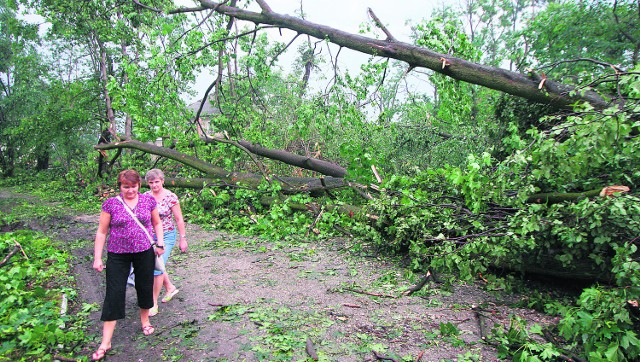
[[207, 110]]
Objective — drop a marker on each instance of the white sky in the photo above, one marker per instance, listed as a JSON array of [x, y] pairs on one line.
[[348, 14], [345, 15]]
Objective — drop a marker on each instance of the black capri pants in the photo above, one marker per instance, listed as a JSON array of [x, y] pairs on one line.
[[118, 268]]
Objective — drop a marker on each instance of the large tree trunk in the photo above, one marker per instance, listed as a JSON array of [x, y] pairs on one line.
[[104, 78], [42, 161], [557, 197], [7, 160], [308, 163], [546, 264], [218, 175], [529, 87]]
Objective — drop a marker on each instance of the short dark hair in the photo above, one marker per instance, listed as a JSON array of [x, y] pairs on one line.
[[129, 176]]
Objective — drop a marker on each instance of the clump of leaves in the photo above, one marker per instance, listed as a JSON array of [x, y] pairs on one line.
[[36, 281], [522, 343]]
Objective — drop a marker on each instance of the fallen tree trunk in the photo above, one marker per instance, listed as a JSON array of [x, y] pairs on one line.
[[291, 185], [308, 163], [191, 161], [547, 265], [557, 197], [219, 176]]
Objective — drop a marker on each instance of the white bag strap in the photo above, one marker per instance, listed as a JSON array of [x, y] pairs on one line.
[[126, 207]]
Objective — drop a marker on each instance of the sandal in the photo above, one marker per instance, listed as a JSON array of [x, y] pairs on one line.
[[170, 295], [148, 330], [153, 311], [99, 354]]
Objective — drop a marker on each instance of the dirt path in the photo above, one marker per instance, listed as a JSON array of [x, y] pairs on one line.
[[245, 299]]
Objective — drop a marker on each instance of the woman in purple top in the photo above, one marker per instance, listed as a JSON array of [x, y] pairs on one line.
[[127, 245]]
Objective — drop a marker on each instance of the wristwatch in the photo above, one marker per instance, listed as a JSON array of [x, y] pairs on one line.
[[160, 246], [183, 236]]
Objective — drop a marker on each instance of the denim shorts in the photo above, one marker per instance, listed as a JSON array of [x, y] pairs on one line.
[[169, 243]]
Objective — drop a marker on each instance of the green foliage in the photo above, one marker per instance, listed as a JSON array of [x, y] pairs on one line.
[[74, 192], [597, 144], [601, 323], [599, 232], [600, 326], [462, 111], [244, 211], [48, 117], [36, 282], [522, 344], [284, 330], [578, 31], [487, 221], [21, 68]]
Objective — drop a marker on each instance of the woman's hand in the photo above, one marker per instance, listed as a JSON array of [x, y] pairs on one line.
[[101, 237], [183, 245], [159, 251], [98, 265]]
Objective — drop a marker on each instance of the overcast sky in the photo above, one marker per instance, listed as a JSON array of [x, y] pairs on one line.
[[346, 15]]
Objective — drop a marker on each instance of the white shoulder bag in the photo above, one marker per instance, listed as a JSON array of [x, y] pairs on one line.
[[159, 260]]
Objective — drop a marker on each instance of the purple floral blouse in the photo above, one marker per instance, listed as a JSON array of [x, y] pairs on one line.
[[125, 236]]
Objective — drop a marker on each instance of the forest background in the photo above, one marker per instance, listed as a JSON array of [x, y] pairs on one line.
[[503, 136]]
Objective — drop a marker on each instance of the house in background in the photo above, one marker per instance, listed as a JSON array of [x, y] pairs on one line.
[[202, 127], [208, 112]]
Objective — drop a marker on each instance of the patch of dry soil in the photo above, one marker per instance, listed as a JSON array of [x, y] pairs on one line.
[[245, 299]]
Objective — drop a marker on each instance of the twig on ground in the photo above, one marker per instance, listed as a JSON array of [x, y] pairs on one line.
[[371, 293], [420, 284], [483, 278], [17, 247], [64, 359], [380, 357], [351, 305], [313, 224], [311, 350], [343, 230]]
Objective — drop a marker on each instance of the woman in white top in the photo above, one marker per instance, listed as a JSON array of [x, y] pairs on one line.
[[169, 209]]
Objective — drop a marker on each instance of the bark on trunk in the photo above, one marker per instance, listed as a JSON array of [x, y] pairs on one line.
[[547, 265], [308, 163], [107, 98], [217, 175], [557, 197]]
